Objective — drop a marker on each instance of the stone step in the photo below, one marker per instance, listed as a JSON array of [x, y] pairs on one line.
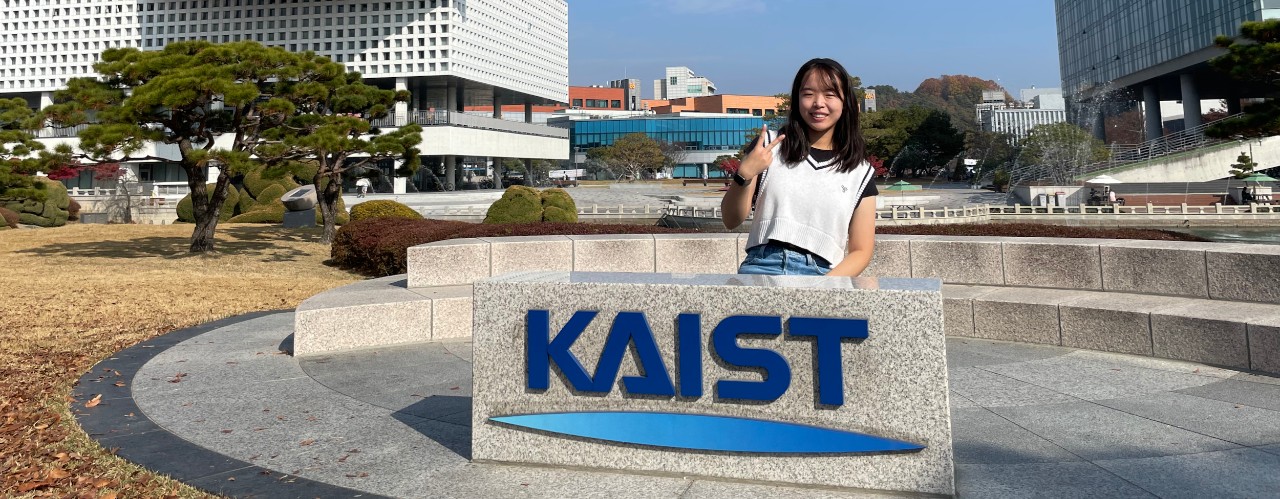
[[380, 312]]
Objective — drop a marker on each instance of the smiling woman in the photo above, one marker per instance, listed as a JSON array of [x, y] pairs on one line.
[[807, 184]]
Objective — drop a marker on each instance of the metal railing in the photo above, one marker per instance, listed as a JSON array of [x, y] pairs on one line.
[[1174, 143], [59, 133]]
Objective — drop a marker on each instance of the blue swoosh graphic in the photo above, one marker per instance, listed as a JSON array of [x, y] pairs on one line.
[[706, 432]]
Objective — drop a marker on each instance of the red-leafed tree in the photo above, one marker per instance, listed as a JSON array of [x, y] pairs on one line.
[[877, 163], [728, 164], [120, 199]]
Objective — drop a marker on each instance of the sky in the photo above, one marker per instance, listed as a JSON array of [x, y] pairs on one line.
[[755, 46]]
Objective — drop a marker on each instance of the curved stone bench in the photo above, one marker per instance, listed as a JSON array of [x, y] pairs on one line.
[[1213, 303]]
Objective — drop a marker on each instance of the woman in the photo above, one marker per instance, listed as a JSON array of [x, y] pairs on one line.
[[811, 187]]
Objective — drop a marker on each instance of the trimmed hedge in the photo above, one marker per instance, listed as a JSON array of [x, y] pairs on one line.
[[383, 208], [558, 206], [519, 204], [10, 218], [255, 184], [52, 212], [379, 246], [186, 210]]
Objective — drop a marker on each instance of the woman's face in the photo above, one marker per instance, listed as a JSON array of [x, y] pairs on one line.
[[821, 104]]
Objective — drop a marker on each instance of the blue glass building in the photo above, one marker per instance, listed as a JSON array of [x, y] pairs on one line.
[[704, 137]]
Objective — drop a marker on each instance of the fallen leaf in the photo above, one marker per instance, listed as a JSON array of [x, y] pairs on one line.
[[231, 479], [61, 456], [227, 431], [308, 441], [41, 426], [58, 474], [454, 388], [94, 401], [343, 459], [108, 495], [30, 486], [119, 384], [100, 483]]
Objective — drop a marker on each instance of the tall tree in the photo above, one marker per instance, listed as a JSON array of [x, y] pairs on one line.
[[1056, 152], [674, 153], [325, 115], [1252, 57], [993, 150], [187, 95], [631, 155]]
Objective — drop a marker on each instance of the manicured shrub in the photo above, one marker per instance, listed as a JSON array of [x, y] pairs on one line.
[[519, 204], [10, 218], [246, 204], [186, 211], [270, 197], [267, 216], [379, 246], [558, 206], [254, 183], [382, 208], [51, 212]]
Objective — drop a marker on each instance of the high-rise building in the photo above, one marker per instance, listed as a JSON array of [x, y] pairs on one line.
[[681, 82], [1159, 50], [449, 54]]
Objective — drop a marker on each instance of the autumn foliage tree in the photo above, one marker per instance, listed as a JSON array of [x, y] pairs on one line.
[[631, 156]]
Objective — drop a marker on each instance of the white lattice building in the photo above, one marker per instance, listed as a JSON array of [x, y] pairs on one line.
[[449, 54]]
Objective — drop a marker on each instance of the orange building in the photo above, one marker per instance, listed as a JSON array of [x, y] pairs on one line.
[[579, 98], [755, 105]]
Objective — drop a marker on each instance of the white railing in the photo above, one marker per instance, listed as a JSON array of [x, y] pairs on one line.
[[440, 117], [984, 213], [1174, 143]]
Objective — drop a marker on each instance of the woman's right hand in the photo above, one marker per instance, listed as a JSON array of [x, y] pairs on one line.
[[759, 157]]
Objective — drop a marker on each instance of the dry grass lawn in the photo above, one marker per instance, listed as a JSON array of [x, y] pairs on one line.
[[76, 294]]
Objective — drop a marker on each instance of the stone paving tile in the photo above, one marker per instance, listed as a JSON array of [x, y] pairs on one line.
[[483, 481], [1237, 473], [1259, 395], [988, 389], [1271, 449], [959, 401], [1095, 432], [1042, 481], [706, 489], [982, 437], [1241, 424], [1091, 378]]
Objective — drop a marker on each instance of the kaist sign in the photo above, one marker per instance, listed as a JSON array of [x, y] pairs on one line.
[[696, 431]]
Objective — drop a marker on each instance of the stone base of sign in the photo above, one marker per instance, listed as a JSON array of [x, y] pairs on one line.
[[895, 383]]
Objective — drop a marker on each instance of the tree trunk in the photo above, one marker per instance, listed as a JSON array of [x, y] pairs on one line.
[[205, 208], [328, 201]]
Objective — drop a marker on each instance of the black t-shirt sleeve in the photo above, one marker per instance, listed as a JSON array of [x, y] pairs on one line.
[[870, 190]]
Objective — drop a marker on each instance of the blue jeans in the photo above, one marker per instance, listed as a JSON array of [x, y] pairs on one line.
[[775, 259]]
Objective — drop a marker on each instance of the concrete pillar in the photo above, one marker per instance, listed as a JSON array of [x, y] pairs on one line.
[[528, 112], [450, 164], [46, 99], [705, 173], [1233, 106], [497, 103], [497, 172], [1154, 125], [528, 169], [1190, 102], [451, 99], [402, 108], [1100, 124]]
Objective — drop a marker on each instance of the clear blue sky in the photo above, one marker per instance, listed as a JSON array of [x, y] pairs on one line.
[[755, 46]]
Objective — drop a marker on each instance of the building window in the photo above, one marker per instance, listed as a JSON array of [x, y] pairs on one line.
[[673, 80], [756, 112], [615, 104], [577, 103]]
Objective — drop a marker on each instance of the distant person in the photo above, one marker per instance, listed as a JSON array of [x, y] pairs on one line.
[[810, 185], [362, 186], [1246, 197], [1111, 196]]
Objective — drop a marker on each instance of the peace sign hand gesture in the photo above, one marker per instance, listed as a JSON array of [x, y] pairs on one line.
[[759, 157]]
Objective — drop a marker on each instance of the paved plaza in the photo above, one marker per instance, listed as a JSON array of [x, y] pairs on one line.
[[638, 195], [221, 407]]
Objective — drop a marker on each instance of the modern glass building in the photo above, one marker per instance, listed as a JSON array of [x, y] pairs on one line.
[[1159, 50], [704, 137]]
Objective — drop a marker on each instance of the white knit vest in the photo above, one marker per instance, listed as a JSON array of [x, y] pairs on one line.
[[808, 204]]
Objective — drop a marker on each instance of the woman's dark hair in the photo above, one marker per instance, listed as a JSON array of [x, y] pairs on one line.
[[849, 146]]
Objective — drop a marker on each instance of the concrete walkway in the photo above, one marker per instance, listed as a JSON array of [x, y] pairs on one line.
[[222, 408]]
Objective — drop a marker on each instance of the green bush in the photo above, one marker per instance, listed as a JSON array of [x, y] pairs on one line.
[[255, 184], [269, 198], [186, 211], [246, 204], [519, 204], [10, 218], [382, 208], [267, 216], [51, 212], [558, 206]]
